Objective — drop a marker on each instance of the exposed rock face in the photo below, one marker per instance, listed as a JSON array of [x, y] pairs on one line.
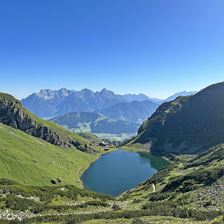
[[12, 115]]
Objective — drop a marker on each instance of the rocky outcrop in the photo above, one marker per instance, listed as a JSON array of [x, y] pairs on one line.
[[13, 114]]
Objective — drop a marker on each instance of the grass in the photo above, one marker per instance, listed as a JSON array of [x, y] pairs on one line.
[[189, 182], [139, 205], [36, 201], [62, 132], [146, 220], [33, 161]]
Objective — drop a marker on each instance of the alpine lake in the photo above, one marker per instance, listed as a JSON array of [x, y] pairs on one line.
[[119, 171]]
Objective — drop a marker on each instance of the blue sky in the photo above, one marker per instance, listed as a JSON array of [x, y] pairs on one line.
[[156, 47]]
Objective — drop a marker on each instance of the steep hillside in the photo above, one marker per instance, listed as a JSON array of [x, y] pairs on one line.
[[13, 114], [51, 103], [136, 111], [186, 125], [33, 161]]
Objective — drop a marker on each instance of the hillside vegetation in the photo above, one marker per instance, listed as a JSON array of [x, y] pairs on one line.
[[33, 161], [39, 181], [13, 114], [194, 186], [190, 124], [185, 192]]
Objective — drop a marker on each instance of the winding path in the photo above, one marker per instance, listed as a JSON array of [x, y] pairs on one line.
[[154, 188]]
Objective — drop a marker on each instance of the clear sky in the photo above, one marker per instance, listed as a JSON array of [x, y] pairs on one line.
[[156, 47]]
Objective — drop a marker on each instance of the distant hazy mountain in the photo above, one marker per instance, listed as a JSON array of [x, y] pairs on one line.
[[50, 103], [95, 123], [156, 100], [174, 96], [46, 102], [74, 120], [136, 111], [135, 97]]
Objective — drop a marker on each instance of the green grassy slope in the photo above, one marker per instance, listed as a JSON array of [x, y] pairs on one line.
[[15, 115], [33, 161]]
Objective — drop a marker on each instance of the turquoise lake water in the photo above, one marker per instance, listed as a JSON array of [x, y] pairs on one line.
[[120, 171]]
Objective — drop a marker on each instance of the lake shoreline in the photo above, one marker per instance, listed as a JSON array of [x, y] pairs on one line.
[[97, 156], [110, 166]]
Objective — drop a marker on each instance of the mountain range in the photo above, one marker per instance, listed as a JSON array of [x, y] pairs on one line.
[[130, 107], [51, 103]]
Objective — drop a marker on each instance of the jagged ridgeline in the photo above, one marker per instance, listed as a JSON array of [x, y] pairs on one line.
[[13, 114], [186, 125]]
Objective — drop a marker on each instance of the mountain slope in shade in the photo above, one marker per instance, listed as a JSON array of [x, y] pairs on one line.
[[51, 103], [136, 111], [186, 125], [13, 114], [95, 123]]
